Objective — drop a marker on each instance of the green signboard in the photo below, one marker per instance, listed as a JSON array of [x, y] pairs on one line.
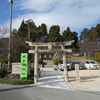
[[24, 65]]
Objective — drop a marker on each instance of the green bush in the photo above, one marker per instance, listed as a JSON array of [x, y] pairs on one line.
[[97, 56], [55, 61], [2, 73], [40, 61], [17, 81]]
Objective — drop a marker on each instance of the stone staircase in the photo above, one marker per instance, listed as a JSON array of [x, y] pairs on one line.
[[48, 64]]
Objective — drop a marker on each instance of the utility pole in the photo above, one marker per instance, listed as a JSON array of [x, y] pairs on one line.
[[9, 46]]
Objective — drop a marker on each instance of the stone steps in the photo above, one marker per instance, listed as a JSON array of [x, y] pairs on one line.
[[48, 64]]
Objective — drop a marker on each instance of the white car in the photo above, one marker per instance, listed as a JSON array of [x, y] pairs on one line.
[[61, 65], [91, 65]]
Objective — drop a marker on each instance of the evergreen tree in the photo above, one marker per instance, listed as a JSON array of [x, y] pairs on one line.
[[39, 34], [68, 35], [23, 30], [43, 28], [84, 35], [75, 39], [54, 35], [98, 29]]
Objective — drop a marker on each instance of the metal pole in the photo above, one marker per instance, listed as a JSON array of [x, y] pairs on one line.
[[9, 46]]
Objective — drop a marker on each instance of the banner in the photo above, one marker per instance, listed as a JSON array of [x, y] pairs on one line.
[[24, 65]]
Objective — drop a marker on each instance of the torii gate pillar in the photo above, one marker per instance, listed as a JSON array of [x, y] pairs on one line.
[[65, 65], [36, 66]]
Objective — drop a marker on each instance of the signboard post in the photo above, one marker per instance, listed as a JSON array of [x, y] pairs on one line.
[[24, 65]]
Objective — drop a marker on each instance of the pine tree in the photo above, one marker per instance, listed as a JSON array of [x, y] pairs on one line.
[[67, 35], [54, 35], [23, 30]]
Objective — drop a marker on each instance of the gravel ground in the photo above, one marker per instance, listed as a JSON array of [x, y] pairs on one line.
[[89, 80]]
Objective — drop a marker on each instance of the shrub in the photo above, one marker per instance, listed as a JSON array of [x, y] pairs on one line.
[[40, 61], [55, 61], [2, 73], [17, 81], [97, 56]]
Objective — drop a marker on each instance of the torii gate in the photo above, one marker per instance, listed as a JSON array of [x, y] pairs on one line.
[[50, 48]]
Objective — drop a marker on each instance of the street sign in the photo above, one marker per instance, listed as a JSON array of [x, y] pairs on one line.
[[24, 65]]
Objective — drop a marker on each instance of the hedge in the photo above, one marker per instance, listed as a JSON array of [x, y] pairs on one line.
[[2, 73], [17, 81]]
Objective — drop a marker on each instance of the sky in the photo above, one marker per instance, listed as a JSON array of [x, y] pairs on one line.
[[76, 14]]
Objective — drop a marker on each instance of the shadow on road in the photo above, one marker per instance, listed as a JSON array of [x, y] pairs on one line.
[[16, 88], [84, 79]]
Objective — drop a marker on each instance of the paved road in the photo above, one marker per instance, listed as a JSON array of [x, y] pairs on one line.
[[51, 79], [10, 92], [31, 92]]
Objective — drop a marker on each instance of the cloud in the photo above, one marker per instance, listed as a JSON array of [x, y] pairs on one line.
[[74, 14], [38, 5]]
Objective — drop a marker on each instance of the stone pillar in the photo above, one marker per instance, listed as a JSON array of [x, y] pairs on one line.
[[16, 68], [65, 65], [36, 66], [0, 65]]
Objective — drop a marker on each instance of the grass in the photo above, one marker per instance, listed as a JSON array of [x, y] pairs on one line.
[[30, 79]]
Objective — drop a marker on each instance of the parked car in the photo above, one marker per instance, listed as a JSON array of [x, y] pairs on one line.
[[91, 65], [61, 65], [81, 65]]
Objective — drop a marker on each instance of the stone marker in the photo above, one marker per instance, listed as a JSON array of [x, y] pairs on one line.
[[77, 72], [15, 68]]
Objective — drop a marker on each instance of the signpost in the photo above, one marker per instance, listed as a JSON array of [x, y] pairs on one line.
[[24, 65]]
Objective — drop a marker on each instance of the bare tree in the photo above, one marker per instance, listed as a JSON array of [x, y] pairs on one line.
[[3, 43], [3, 31]]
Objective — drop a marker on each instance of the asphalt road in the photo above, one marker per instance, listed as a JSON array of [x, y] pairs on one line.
[[10, 92]]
